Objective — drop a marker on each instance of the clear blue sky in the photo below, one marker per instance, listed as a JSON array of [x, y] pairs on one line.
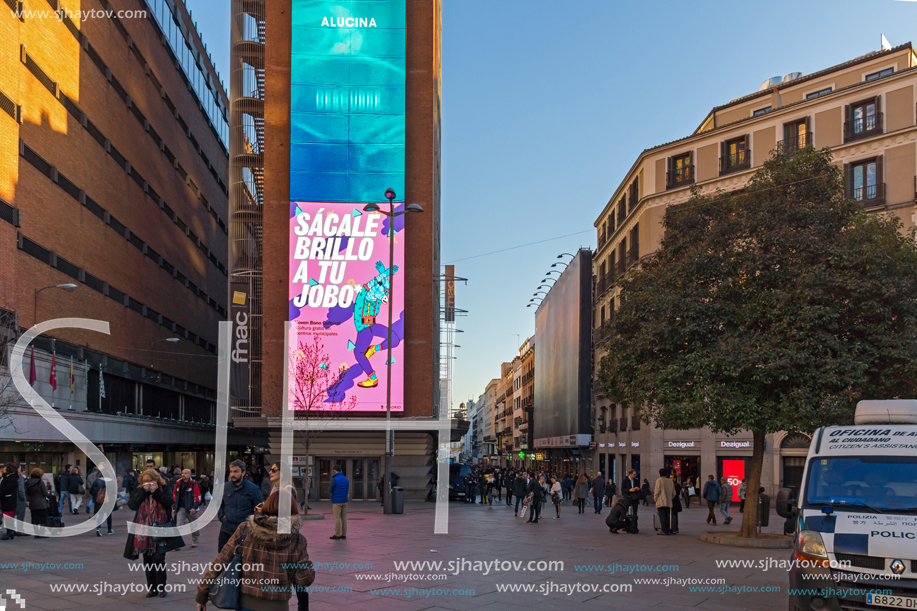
[[547, 104]]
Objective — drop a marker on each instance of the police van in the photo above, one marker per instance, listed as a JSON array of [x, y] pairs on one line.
[[856, 514]]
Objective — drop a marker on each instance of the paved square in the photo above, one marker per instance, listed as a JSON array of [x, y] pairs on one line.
[[477, 534]]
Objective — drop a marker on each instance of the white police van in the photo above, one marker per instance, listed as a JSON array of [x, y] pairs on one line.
[[856, 514]]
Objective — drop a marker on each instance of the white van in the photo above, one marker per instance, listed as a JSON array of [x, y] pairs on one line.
[[856, 514]]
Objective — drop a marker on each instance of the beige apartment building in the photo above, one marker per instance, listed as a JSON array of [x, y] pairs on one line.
[[523, 401], [864, 110]]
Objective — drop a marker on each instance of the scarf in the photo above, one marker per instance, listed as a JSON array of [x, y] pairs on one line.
[[150, 513]]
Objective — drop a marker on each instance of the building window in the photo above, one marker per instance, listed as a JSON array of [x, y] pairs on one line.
[[681, 171], [796, 136], [864, 182], [735, 155], [761, 111], [815, 94], [864, 119], [879, 74]]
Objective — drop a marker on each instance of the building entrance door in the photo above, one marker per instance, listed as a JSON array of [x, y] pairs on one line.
[[363, 474]]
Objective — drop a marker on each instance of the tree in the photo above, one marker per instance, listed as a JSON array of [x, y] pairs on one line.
[[774, 308], [9, 396], [311, 377]]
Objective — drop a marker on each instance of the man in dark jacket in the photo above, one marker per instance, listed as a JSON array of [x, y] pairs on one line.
[[21, 499], [536, 488], [9, 494], [520, 486], [240, 497], [508, 483], [629, 486], [615, 520], [598, 492], [187, 495], [63, 489]]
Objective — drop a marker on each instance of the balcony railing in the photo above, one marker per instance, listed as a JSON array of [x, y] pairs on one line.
[[871, 196], [635, 423], [735, 162], [620, 267], [679, 177], [864, 127], [633, 255], [622, 424], [795, 143], [613, 426]]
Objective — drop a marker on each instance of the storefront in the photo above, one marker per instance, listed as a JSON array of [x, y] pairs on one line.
[[362, 472], [683, 457], [733, 461], [793, 452]]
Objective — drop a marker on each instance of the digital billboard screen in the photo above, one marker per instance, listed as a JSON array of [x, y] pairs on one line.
[[347, 141], [339, 300]]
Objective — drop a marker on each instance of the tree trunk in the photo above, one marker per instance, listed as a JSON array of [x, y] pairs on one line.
[[307, 482], [749, 529]]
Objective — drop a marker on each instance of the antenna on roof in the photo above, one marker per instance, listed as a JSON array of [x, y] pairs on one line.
[[886, 46]]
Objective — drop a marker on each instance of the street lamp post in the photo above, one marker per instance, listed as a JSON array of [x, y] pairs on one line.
[[66, 287], [171, 340], [389, 442]]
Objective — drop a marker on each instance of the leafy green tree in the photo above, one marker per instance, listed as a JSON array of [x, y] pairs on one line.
[[773, 308]]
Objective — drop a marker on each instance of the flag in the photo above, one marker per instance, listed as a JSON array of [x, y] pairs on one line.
[[71, 375], [53, 378], [32, 376], [101, 384]]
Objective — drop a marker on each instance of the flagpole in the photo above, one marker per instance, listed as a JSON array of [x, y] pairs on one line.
[[71, 383]]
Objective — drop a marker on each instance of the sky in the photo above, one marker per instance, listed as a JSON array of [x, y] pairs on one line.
[[548, 103]]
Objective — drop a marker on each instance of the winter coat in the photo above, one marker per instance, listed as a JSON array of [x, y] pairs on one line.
[[519, 486], [73, 483], [138, 495], [37, 493], [238, 504], [664, 492], [189, 495], [536, 490], [725, 493], [580, 490], [598, 488], [9, 492], [339, 488], [63, 482], [743, 490], [676, 502], [281, 560], [711, 491]]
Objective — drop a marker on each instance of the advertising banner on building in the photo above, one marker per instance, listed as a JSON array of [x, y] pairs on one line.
[[734, 472], [239, 314], [347, 140], [339, 298]]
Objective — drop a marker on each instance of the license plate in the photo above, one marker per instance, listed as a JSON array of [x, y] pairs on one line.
[[895, 602]]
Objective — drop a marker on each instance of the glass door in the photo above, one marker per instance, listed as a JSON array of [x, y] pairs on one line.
[[372, 480], [324, 481], [357, 482]]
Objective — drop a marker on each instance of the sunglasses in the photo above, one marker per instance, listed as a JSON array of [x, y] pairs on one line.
[[274, 470]]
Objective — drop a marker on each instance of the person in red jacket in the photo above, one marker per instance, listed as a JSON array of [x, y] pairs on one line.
[[187, 495]]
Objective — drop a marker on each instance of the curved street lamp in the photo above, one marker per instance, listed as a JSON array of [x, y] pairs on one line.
[[389, 449], [171, 340], [69, 287], [560, 256]]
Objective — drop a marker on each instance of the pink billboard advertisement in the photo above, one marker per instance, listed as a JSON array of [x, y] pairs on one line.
[[339, 307]]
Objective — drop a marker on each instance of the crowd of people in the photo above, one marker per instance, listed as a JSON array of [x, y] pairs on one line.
[[670, 493]]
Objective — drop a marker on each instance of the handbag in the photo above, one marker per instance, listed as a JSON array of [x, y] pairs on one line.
[[168, 544], [208, 497], [691, 491], [224, 591]]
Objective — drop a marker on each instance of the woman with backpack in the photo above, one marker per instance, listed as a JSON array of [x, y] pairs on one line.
[[276, 558], [97, 492]]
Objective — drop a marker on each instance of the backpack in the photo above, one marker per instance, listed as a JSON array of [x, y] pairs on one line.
[[100, 495]]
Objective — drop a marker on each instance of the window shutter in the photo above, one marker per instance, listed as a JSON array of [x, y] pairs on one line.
[[879, 122], [748, 149], [880, 179], [847, 127], [722, 156], [848, 181]]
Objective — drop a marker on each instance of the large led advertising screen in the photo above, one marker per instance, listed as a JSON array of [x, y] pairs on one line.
[[339, 301], [347, 140]]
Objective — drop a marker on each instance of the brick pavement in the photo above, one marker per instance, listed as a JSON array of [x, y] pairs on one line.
[[476, 533]]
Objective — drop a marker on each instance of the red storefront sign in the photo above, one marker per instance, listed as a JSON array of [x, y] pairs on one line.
[[734, 472]]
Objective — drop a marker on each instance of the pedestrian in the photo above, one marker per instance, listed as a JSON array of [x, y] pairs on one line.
[[520, 487], [77, 488], [580, 492], [630, 491], [491, 484], [37, 494], [568, 487], [611, 491], [686, 492], [743, 490], [468, 481], [508, 483], [498, 485], [711, 494], [206, 496], [556, 496], [240, 497], [646, 492], [90, 480], [129, 481], [151, 500], [272, 557], [663, 493], [20, 497], [187, 495], [537, 491], [676, 503], [598, 492], [616, 517], [9, 496], [725, 500], [63, 489], [339, 491], [97, 493]]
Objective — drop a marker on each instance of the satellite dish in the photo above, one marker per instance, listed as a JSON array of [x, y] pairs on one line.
[[792, 76], [771, 82]]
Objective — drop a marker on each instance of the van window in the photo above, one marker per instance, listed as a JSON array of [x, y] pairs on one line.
[[460, 470], [886, 483]]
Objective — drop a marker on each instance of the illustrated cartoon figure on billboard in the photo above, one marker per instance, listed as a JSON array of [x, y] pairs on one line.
[[366, 307]]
